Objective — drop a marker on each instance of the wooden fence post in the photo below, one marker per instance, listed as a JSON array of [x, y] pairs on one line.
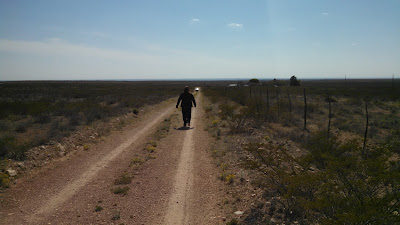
[[267, 99], [330, 115], [261, 101], [305, 110], [366, 129], [277, 101]]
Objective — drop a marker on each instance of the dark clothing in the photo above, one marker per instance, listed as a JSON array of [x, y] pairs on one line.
[[187, 99], [186, 114]]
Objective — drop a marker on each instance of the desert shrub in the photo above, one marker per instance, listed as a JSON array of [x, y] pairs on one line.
[[232, 222], [74, 119], [152, 143], [386, 121], [4, 125], [92, 115], [98, 208], [4, 176], [22, 127], [123, 179], [55, 126], [334, 183], [226, 110], [350, 123], [136, 161], [230, 178], [238, 121], [120, 190], [135, 111], [347, 186], [150, 148], [355, 101], [313, 107], [330, 99], [39, 139], [392, 140], [10, 148], [42, 118]]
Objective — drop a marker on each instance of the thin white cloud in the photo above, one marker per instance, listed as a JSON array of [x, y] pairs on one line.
[[355, 44], [195, 20], [236, 26], [325, 14], [56, 46]]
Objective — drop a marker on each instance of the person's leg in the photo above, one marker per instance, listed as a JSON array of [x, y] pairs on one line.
[[189, 115], [184, 116]]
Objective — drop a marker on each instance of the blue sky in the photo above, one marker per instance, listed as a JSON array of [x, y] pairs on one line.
[[184, 39]]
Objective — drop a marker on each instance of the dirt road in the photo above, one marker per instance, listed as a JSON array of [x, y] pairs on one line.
[[176, 185]]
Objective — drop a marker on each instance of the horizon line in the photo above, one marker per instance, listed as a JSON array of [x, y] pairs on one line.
[[203, 79]]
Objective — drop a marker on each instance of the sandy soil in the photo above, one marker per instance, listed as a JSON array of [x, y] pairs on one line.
[[177, 186]]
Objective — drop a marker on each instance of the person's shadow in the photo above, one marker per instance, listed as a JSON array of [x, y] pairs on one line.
[[184, 128]]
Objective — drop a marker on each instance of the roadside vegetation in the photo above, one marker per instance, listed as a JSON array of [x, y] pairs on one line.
[[324, 152], [33, 113], [40, 115]]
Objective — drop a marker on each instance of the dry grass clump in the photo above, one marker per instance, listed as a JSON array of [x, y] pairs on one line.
[[123, 179], [120, 190]]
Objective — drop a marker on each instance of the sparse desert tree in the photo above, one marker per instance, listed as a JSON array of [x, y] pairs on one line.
[[294, 81], [254, 81]]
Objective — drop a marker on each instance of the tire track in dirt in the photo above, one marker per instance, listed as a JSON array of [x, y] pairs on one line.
[[177, 209], [73, 187]]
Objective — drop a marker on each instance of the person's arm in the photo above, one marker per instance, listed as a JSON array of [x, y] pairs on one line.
[[194, 101], [179, 100]]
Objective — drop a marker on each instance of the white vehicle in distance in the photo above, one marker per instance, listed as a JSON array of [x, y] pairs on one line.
[[197, 89]]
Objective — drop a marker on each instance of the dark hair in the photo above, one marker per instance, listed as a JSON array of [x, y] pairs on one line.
[[186, 90]]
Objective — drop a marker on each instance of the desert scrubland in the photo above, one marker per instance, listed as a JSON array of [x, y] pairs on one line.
[[324, 152], [258, 152]]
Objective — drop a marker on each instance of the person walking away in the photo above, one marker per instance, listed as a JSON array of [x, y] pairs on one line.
[[187, 99]]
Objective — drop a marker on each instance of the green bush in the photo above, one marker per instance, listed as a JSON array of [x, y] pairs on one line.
[[232, 222], [347, 186], [120, 190], [226, 111], [4, 176], [10, 148], [123, 179], [334, 183], [98, 208], [22, 127], [42, 118]]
